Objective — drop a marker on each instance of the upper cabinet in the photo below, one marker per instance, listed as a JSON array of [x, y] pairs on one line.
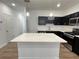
[[72, 19], [43, 20]]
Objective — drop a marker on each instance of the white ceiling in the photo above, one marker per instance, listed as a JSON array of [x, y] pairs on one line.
[[51, 4], [43, 4], [19, 4]]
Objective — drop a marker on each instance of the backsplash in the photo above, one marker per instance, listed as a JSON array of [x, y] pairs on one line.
[[56, 28]]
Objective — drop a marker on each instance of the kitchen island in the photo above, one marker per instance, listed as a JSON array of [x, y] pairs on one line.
[[38, 46]]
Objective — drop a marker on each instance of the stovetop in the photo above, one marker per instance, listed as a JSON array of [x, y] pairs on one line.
[[71, 34]]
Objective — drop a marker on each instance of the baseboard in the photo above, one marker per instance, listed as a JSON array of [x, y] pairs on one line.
[[39, 58], [2, 45]]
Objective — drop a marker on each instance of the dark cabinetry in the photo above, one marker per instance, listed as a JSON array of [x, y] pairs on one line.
[[72, 18], [73, 15], [42, 20], [72, 40], [76, 45], [58, 21]]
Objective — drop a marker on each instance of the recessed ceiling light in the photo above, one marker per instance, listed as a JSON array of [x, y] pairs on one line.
[[59, 4], [51, 14], [27, 14], [13, 4]]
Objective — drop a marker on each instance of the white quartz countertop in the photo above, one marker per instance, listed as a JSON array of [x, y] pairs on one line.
[[38, 37]]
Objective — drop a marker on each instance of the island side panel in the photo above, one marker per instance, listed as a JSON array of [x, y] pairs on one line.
[[38, 50]]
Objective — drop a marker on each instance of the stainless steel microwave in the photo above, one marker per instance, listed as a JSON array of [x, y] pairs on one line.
[[74, 21]]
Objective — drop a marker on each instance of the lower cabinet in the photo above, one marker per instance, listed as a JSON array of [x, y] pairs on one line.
[[75, 46]]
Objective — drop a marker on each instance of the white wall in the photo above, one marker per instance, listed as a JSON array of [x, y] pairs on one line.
[[33, 18], [13, 23], [4, 10]]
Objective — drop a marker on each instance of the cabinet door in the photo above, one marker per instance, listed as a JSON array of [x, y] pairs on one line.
[[42, 20], [78, 22], [75, 45]]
